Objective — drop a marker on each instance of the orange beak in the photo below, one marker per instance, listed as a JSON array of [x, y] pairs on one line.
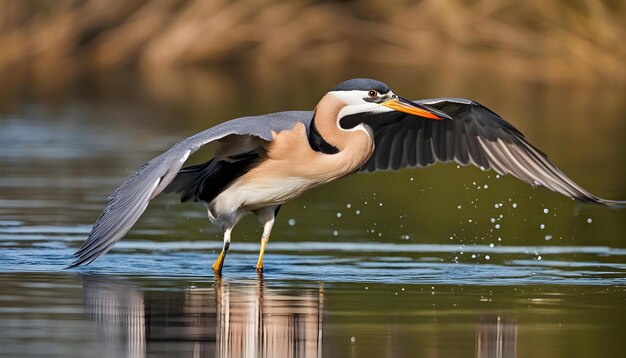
[[404, 105]]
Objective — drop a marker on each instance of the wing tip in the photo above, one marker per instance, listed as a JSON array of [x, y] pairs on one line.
[[76, 263], [613, 204], [82, 258]]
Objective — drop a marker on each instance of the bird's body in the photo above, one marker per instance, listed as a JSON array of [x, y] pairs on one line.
[[289, 168], [262, 162]]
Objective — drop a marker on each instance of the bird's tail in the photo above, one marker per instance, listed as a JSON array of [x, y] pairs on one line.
[[186, 181]]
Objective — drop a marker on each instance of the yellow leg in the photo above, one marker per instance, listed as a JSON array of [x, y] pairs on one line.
[[259, 264], [266, 218], [217, 266]]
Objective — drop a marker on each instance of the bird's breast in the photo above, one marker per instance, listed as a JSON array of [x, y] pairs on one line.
[[290, 155]]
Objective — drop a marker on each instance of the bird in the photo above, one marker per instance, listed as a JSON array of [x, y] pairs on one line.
[[360, 125]]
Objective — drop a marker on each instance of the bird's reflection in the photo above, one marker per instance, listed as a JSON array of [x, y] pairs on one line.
[[226, 320], [496, 337], [235, 319], [120, 313]]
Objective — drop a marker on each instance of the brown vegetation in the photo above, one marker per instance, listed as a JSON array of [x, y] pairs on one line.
[[581, 40]]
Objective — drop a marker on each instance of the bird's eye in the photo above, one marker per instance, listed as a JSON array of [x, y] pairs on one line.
[[394, 96], [372, 93]]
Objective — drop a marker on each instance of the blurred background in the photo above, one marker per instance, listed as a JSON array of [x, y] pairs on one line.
[[573, 41], [90, 90]]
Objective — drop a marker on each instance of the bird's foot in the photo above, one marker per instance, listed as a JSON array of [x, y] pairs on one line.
[[217, 269], [217, 266], [259, 269]]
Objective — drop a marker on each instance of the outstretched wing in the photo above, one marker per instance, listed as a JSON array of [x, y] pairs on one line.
[[475, 135], [129, 201]]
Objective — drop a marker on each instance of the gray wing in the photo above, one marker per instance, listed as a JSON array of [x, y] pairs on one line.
[[475, 135], [129, 201]]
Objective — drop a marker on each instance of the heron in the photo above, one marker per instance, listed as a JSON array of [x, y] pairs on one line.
[[360, 125]]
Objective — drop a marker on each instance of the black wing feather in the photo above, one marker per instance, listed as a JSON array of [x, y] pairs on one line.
[[475, 135]]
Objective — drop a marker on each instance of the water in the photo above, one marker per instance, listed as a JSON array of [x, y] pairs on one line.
[[443, 261]]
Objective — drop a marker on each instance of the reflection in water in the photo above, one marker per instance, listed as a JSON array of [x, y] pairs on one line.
[[120, 314], [258, 321], [246, 319], [496, 338]]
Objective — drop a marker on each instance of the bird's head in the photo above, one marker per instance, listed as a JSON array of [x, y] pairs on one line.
[[364, 97]]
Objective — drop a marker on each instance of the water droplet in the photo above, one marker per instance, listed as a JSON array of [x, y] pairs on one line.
[[338, 215], [381, 204], [493, 220], [357, 212], [487, 257], [473, 256], [486, 186], [589, 221], [548, 237], [491, 245], [348, 205], [335, 233], [291, 222], [497, 226], [545, 211], [542, 226], [514, 205], [458, 207], [352, 339], [538, 258]]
